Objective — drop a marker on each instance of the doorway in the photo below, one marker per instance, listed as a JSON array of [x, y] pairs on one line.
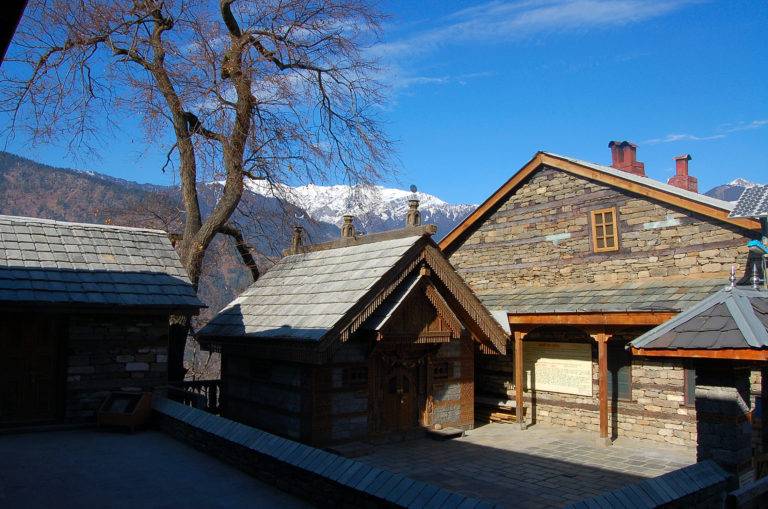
[[29, 369], [400, 400]]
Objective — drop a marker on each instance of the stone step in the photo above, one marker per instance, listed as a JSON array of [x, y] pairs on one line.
[[445, 433]]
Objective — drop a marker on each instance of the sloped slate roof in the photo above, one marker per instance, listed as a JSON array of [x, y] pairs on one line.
[[667, 294], [647, 181], [45, 261], [304, 295], [731, 318]]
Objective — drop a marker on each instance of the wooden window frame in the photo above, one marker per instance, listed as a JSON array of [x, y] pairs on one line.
[[355, 377], [614, 230]]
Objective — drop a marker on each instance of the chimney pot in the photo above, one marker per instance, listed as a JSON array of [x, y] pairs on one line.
[[682, 179], [413, 217], [347, 228], [624, 157]]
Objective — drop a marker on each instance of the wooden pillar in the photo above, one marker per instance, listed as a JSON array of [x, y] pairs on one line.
[[519, 372], [602, 380]]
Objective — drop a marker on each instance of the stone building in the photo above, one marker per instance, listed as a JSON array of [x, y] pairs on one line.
[[360, 337], [580, 259], [84, 310]]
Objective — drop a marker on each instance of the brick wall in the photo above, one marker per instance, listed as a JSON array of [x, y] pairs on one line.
[[112, 352], [541, 237]]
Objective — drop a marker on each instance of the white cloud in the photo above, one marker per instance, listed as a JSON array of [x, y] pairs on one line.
[[722, 132], [499, 21], [671, 138]]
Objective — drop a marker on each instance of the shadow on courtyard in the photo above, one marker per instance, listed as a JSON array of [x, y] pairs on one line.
[[532, 468]]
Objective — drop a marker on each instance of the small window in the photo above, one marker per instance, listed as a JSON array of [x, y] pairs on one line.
[[689, 387], [442, 371], [605, 235], [355, 377]]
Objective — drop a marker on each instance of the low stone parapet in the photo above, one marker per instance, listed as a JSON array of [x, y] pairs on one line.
[[323, 478]]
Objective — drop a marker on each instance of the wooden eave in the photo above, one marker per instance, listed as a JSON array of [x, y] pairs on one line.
[[738, 354], [611, 318], [544, 159]]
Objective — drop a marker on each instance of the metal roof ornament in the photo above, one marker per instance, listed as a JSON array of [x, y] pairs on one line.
[[755, 277], [732, 277]]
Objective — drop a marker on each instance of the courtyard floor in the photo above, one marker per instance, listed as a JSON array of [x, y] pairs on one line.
[[541, 467], [89, 469]]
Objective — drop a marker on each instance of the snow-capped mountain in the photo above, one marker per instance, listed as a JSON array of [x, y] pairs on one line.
[[732, 190], [376, 208]]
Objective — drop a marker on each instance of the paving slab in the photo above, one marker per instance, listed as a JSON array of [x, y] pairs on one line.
[[543, 466], [86, 469]]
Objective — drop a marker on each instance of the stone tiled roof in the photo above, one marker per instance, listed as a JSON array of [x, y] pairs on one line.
[[304, 295], [731, 318], [668, 294], [45, 261], [647, 181]]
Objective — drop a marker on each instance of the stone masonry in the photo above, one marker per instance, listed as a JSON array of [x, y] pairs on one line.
[[112, 352], [656, 411], [541, 237]]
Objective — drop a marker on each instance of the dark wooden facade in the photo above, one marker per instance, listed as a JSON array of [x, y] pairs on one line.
[[416, 373]]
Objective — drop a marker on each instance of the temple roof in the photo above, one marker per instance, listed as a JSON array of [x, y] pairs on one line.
[[304, 295], [731, 318], [325, 293], [664, 294], [45, 261]]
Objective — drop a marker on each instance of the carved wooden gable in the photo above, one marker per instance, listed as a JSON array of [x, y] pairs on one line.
[[422, 317]]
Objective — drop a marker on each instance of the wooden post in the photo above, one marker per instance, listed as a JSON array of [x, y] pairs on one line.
[[602, 365], [519, 372]]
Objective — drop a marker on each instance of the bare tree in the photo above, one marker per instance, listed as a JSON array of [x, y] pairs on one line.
[[276, 90]]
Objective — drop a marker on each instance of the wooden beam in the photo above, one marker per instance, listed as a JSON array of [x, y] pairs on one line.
[[602, 363], [738, 354], [449, 241], [519, 335], [617, 318]]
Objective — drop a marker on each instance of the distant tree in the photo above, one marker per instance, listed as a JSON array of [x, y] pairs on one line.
[[275, 90]]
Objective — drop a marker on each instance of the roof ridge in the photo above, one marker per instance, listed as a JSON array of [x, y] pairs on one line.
[[358, 240], [700, 197], [97, 226]]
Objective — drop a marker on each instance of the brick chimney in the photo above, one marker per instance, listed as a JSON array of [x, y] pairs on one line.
[[681, 178], [624, 157]]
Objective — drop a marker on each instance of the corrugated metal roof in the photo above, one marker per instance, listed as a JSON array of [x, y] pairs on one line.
[[668, 294], [731, 318], [304, 295], [646, 181], [59, 262]]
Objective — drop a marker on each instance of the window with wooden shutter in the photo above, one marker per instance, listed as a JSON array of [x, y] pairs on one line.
[[605, 234], [619, 372]]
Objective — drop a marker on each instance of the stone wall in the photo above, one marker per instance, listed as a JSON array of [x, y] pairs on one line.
[[541, 236], [271, 395], [112, 352], [656, 410], [451, 402]]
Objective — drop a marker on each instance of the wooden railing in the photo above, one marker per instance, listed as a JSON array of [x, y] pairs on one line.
[[202, 394]]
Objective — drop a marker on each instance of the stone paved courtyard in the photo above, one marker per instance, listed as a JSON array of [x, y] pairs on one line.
[[540, 467], [90, 469]]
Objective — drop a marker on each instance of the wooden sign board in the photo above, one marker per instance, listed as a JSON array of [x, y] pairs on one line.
[[558, 367]]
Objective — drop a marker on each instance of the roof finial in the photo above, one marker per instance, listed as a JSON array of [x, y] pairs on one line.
[[732, 277], [347, 228], [297, 241]]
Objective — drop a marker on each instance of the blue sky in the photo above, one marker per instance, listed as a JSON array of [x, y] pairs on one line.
[[479, 87]]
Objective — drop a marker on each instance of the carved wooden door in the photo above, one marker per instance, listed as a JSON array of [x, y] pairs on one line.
[[400, 394], [28, 369]]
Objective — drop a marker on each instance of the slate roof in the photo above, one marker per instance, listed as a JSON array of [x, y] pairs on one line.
[[647, 181], [45, 261], [304, 295], [731, 318], [667, 294]]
